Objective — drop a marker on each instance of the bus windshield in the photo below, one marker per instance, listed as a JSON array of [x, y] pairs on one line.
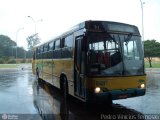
[[114, 54]]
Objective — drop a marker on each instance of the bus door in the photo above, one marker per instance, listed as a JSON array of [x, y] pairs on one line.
[[79, 65]]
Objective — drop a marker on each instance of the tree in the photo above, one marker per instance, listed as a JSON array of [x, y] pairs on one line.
[[6, 46], [8, 50], [151, 49], [32, 41]]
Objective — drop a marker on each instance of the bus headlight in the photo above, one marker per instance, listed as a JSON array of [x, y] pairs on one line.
[[97, 89], [142, 86]]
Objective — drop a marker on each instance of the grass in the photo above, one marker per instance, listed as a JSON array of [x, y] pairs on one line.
[[154, 64], [7, 65]]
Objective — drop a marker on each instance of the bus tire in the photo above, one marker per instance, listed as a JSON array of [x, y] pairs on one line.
[[64, 86], [37, 73], [109, 101]]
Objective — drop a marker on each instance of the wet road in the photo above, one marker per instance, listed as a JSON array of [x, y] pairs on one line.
[[20, 94], [16, 94], [150, 103]]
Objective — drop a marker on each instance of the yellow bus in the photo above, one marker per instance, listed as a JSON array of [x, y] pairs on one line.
[[95, 61]]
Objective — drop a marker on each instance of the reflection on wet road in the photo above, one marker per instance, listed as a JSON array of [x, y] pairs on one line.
[[21, 93]]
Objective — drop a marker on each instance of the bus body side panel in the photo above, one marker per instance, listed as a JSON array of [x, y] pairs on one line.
[[57, 70], [68, 67], [63, 66], [47, 70]]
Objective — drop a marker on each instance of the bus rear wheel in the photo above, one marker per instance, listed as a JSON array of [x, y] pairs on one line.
[[37, 73]]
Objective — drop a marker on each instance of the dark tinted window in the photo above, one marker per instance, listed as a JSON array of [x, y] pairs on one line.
[[57, 44], [68, 41], [41, 49], [67, 49], [50, 46], [46, 47]]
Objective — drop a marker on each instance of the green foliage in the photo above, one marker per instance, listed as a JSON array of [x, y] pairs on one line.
[[33, 40], [154, 64], [151, 49], [6, 46], [8, 51], [7, 65], [1, 61], [29, 54]]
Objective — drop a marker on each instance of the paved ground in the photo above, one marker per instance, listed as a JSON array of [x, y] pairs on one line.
[[148, 104], [16, 94]]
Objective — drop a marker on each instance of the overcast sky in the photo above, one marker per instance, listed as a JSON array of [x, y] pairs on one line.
[[60, 15]]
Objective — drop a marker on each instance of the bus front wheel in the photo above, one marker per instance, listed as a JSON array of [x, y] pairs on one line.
[[64, 86], [37, 75]]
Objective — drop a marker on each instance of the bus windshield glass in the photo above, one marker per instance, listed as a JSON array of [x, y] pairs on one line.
[[114, 54]]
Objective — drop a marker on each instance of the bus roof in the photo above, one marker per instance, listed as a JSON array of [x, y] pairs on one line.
[[94, 25]]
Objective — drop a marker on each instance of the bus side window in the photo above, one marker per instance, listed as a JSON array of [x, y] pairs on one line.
[[39, 53], [57, 50], [50, 50], [47, 51], [57, 44], [67, 47], [50, 46], [45, 48], [68, 41]]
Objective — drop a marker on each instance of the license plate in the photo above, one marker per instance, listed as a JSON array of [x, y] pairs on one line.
[[123, 96]]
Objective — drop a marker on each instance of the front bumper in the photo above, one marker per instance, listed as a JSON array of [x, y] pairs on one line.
[[114, 95]]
